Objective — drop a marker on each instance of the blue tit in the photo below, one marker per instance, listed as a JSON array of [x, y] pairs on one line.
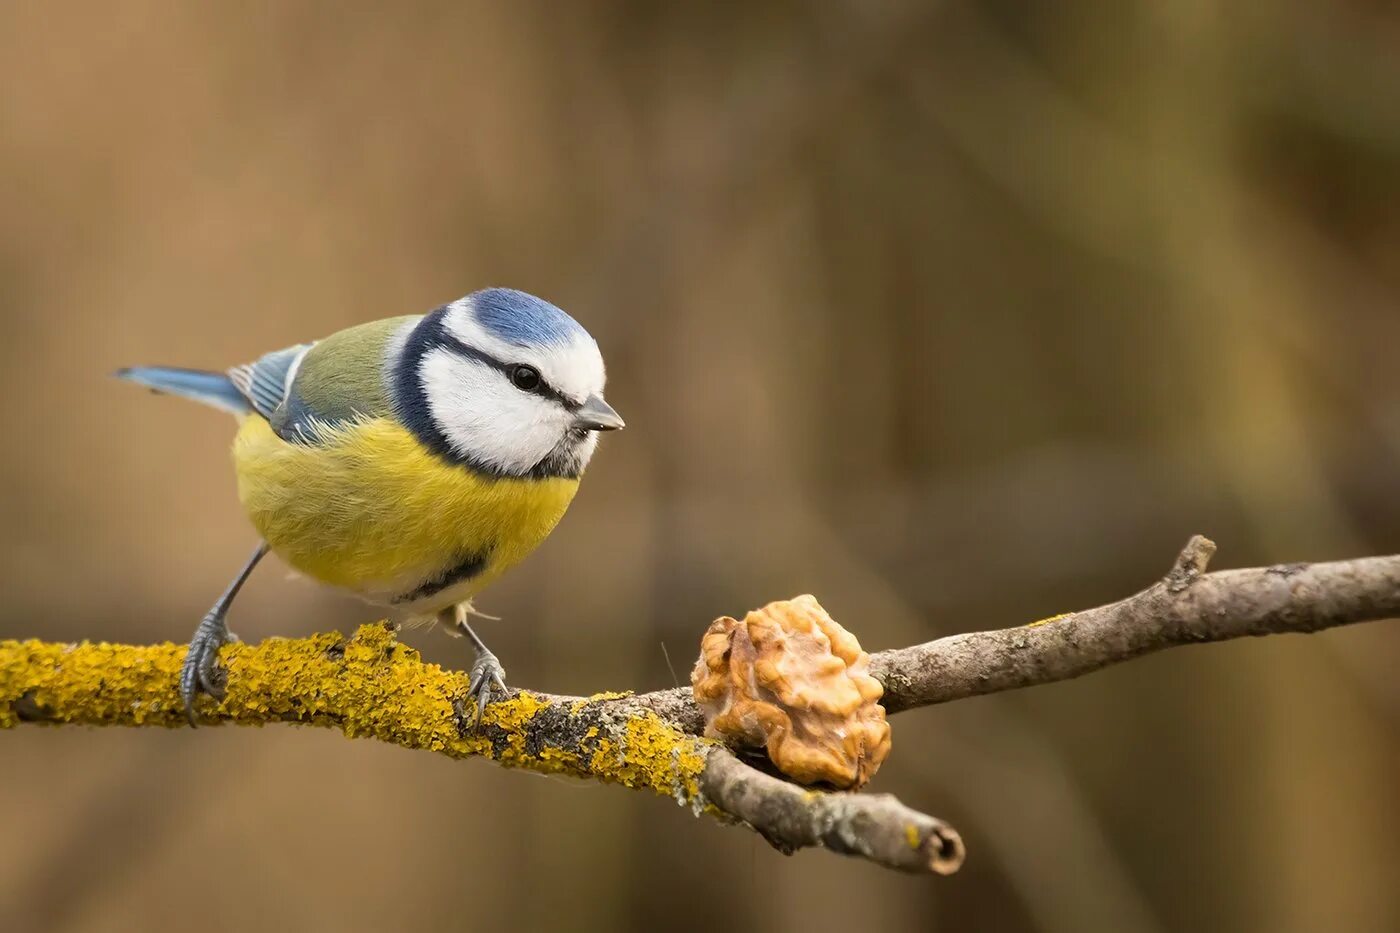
[[411, 461]]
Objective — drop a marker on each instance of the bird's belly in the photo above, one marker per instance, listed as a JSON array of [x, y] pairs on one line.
[[369, 510]]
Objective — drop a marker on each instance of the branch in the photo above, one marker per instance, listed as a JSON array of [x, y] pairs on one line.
[[1188, 606], [373, 686], [370, 685]]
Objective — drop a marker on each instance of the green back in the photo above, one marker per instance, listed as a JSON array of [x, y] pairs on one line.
[[342, 378]]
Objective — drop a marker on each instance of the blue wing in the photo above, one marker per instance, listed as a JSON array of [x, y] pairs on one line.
[[257, 387], [299, 390], [266, 382]]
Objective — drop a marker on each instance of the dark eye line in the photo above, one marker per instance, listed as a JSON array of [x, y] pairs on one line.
[[543, 389]]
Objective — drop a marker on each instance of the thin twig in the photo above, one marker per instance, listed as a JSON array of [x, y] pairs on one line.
[[1188, 606]]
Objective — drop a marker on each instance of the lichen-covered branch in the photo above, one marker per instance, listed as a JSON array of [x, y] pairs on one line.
[[371, 685]]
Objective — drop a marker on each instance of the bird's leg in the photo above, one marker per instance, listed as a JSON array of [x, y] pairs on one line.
[[200, 671], [487, 675]]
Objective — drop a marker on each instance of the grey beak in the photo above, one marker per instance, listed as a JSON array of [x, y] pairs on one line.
[[597, 415]]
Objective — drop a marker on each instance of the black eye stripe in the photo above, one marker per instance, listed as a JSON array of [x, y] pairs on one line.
[[544, 389]]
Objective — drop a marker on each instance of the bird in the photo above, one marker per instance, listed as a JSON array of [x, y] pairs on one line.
[[411, 460]]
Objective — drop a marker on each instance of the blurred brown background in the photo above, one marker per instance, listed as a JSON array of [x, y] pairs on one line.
[[957, 315]]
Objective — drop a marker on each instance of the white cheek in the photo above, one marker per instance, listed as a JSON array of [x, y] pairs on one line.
[[487, 419]]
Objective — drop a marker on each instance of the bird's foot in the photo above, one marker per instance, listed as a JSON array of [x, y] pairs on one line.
[[201, 672], [487, 677]]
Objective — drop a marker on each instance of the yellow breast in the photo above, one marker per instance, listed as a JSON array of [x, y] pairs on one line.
[[370, 510]]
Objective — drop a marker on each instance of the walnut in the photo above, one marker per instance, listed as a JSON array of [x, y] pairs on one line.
[[791, 680]]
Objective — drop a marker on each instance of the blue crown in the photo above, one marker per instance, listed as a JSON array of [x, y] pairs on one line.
[[522, 319]]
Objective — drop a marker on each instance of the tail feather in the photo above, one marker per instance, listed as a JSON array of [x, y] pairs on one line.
[[215, 389]]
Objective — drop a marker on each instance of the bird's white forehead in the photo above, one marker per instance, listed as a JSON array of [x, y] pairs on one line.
[[569, 360]]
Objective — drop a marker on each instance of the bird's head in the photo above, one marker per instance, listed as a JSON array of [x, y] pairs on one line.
[[504, 382]]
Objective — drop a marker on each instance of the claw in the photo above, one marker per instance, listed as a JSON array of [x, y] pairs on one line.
[[201, 668], [212, 679], [200, 672], [487, 677], [206, 674]]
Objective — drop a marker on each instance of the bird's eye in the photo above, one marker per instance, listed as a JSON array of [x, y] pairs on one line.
[[525, 378]]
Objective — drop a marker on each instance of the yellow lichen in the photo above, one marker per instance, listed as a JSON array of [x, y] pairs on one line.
[[579, 704], [1054, 618], [368, 686], [649, 755]]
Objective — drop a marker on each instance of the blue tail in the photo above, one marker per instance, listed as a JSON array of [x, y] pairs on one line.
[[214, 389]]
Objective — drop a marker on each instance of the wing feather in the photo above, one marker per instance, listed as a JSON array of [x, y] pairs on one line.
[[305, 389], [266, 382]]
